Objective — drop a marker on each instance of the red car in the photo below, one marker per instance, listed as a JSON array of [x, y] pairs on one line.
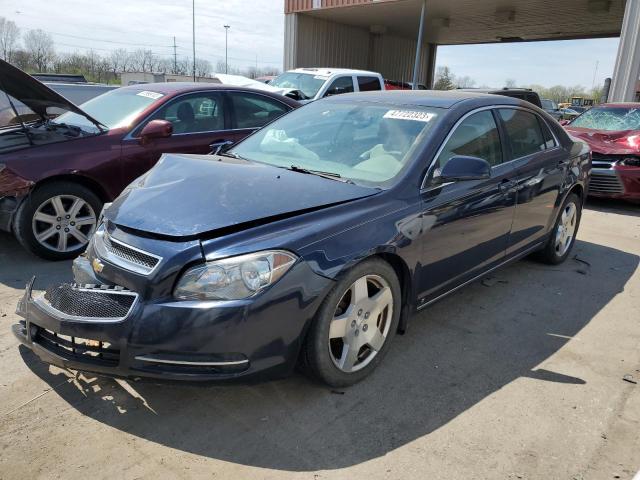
[[613, 132], [56, 173]]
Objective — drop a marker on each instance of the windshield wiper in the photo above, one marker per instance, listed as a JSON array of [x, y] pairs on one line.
[[320, 173]]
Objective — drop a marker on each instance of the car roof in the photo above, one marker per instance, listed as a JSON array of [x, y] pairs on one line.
[[326, 71], [428, 98], [175, 88], [495, 90]]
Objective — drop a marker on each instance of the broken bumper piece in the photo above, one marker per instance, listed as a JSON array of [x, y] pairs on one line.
[[101, 329]]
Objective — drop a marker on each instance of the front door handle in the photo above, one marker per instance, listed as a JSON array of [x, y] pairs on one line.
[[507, 185]]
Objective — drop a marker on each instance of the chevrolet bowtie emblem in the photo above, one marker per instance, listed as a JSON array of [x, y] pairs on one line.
[[97, 265]]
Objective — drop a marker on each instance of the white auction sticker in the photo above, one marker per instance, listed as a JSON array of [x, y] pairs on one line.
[[148, 94], [410, 115]]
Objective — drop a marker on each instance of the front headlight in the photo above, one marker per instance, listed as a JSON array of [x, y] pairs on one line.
[[234, 278]]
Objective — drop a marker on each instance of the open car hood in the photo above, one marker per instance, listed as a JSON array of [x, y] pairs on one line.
[[34, 94], [187, 196]]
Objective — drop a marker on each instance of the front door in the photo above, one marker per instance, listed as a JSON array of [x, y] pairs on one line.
[[466, 224], [199, 119]]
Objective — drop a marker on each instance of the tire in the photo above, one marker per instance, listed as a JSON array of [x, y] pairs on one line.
[[553, 253], [48, 211], [364, 315]]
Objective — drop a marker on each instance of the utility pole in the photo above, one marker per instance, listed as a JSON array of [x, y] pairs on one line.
[[193, 11], [226, 42], [595, 72], [175, 56]]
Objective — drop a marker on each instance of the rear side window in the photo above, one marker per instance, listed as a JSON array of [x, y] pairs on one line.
[[476, 136], [523, 131], [368, 84], [252, 111], [549, 140]]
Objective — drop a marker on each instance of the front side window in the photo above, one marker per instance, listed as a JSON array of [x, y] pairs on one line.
[[523, 131], [253, 111], [201, 112], [369, 143], [340, 85], [609, 118], [368, 84], [476, 136]]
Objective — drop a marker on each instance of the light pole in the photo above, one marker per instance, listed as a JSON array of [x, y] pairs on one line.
[[226, 38], [193, 24]]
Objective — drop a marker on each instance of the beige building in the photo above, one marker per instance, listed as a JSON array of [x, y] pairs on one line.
[[382, 35]]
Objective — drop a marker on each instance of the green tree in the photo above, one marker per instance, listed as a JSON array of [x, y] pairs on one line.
[[445, 79]]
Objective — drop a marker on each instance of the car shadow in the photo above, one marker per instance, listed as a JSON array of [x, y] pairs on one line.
[[455, 354], [607, 205]]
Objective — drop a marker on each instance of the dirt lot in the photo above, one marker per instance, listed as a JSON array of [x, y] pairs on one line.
[[517, 376]]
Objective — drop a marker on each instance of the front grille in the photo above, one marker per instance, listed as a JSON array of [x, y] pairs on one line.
[[90, 302], [608, 183], [129, 254], [76, 348]]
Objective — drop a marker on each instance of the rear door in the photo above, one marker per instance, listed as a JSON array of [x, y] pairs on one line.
[[250, 111], [539, 162], [466, 224]]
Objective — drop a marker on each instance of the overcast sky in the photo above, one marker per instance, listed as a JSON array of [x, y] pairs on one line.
[[257, 32]]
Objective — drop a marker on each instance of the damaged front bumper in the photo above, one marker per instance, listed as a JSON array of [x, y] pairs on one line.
[[112, 331]]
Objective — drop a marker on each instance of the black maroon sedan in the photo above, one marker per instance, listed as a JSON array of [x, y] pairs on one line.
[[59, 163], [313, 240]]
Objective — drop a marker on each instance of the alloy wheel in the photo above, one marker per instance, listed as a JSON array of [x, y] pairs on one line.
[[63, 223], [566, 229], [361, 323]]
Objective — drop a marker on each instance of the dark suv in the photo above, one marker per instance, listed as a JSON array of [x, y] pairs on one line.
[[525, 94], [59, 163]]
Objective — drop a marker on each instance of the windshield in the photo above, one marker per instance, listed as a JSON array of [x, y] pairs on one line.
[[117, 108], [609, 118], [307, 83], [364, 142]]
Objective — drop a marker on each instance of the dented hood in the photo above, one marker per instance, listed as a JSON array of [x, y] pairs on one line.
[[185, 196], [32, 93]]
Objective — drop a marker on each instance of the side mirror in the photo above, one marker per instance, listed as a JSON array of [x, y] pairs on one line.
[[461, 168], [155, 129], [564, 122]]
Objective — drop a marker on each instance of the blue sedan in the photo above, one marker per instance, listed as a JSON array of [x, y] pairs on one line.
[[312, 241]]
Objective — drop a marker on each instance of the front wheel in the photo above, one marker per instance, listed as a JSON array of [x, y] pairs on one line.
[[57, 219], [563, 235], [354, 325]]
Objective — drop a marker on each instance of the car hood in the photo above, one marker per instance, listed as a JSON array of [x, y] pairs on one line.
[[188, 196], [608, 142], [34, 94]]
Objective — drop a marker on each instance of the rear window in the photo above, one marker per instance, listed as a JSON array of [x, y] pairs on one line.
[[368, 84]]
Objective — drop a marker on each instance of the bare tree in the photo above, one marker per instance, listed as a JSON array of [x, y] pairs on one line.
[[203, 67], [39, 46], [9, 35], [119, 61], [143, 60], [465, 82], [509, 83]]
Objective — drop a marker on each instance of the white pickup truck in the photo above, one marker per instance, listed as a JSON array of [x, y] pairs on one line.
[[307, 84]]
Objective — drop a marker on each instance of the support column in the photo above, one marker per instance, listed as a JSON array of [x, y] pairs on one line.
[[431, 65], [627, 69], [416, 64]]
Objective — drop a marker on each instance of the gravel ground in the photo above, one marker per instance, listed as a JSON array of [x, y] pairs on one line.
[[517, 376]]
